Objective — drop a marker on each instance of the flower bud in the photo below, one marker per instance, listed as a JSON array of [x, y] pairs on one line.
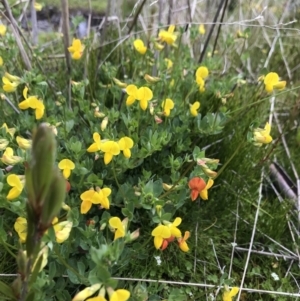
[[151, 79], [104, 123], [42, 162], [54, 198], [119, 83]]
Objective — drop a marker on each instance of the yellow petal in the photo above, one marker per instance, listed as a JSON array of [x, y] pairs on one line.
[[87, 292], [209, 184], [125, 142], [161, 231], [14, 181], [13, 193], [177, 221], [115, 222], [107, 158], [130, 100], [66, 164], [131, 90], [24, 105], [158, 240], [66, 173], [144, 93], [204, 194], [184, 246], [93, 148], [2, 30], [85, 207], [202, 72], [120, 295]]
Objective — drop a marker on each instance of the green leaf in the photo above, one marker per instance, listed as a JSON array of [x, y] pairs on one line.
[[69, 125], [52, 270], [7, 290], [73, 277]]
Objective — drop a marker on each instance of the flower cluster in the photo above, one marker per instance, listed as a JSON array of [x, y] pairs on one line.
[[140, 46], [167, 232], [262, 136], [201, 75], [111, 148], [272, 82], [114, 295], [76, 49], [10, 82], [168, 36], [198, 187], [32, 102], [120, 228], [92, 196], [62, 229], [142, 94]]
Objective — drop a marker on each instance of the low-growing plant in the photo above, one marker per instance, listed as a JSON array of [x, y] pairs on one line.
[[117, 174]]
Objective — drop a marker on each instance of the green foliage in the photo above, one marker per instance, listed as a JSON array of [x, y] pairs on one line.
[[144, 179]]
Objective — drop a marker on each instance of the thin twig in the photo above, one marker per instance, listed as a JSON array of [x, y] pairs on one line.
[[66, 33], [219, 28], [252, 236], [136, 16], [210, 32]]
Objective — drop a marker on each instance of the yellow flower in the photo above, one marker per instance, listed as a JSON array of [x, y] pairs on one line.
[[160, 233], [173, 227], [1, 61], [2, 30], [140, 46], [201, 29], [182, 242], [88, 198], [201, 75], [125, 145], [169, 63], [38, 6], [11, 131], [3, 144], [104, 194], [204, 193], [23, 143], [76, 49], [118, 295], [87, 292], [168, 36], [119, 226], [110, 149], [202, 72], [96, 146], [167, 106], [66, 166], [228, 294], [91, 196], [272, 82], [8, 157], [10, 82], [62, 231], [34, 103], [194, 108], [20, 227], [17, 185], [262, 136], [143, 95]]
